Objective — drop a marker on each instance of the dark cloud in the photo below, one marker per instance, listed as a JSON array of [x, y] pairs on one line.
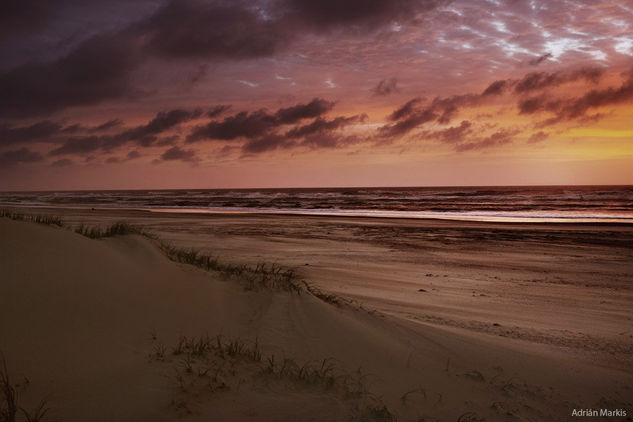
[[386, 87], [541, 80], [406, 110], [577, 108], [330, 140], [177, 153], [267, 143], [501, 137], [144, 135], [216, 111], [452, 135], [357, 14], [79, 145], [532, 105], [321, 125], [265, 131], [243, 124], [110, 124], [598, 98], [112, 160], [100, 68], [213, 29], [322, 140], [133, 155], [200, 74], [495, 88], [166, 140], [464, 137], [22, 16], [538, 137], [35, 132], [447, 108], [64, 162], [243, 30], [258, 123], [314, 108], [49, 131], [74, 128], [405, 125], [540, 59], [95, 71], [413, 115], [18, 156], [535, 81]]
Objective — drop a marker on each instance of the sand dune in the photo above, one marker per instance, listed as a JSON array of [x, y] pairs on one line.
[[83, 320]]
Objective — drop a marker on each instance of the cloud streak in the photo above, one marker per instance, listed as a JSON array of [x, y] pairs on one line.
[[258, 123], [176, 153], [142, 136], [19, 156], [386, 87]]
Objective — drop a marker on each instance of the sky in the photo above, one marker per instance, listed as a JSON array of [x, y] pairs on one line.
[[149, 94]]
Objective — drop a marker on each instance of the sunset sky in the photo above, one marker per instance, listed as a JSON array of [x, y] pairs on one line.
[[302, 93]]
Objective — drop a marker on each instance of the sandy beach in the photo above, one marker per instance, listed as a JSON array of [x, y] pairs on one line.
[[302, 210], [428, 320]]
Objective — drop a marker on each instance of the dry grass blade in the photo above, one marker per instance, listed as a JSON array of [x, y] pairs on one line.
[[50, 220], [9, 406], [218, 364], [116, 229], [37, 414]]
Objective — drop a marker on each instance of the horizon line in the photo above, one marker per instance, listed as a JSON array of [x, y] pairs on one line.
[[318, 187]]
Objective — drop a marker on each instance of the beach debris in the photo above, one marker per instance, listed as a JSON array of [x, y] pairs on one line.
[[422, 290], [470, 417], [474, 375], [419, 391]]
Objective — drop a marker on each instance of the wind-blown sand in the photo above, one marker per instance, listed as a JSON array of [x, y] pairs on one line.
[[77, 317]]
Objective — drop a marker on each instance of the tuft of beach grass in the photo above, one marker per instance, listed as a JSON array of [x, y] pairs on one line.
[[218, 363], [9, 403], [260, 276], [50, 220], [116, 229]]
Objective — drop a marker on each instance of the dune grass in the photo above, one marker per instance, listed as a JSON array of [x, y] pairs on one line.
[[98, 232], [216, 364], [9, 405], [93, 232], [49, 220], [261, 276]]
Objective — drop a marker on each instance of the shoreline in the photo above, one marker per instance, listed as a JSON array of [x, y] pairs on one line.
[[606, 221]]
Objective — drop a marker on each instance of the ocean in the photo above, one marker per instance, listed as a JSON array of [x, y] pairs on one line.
[[513, 204]]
